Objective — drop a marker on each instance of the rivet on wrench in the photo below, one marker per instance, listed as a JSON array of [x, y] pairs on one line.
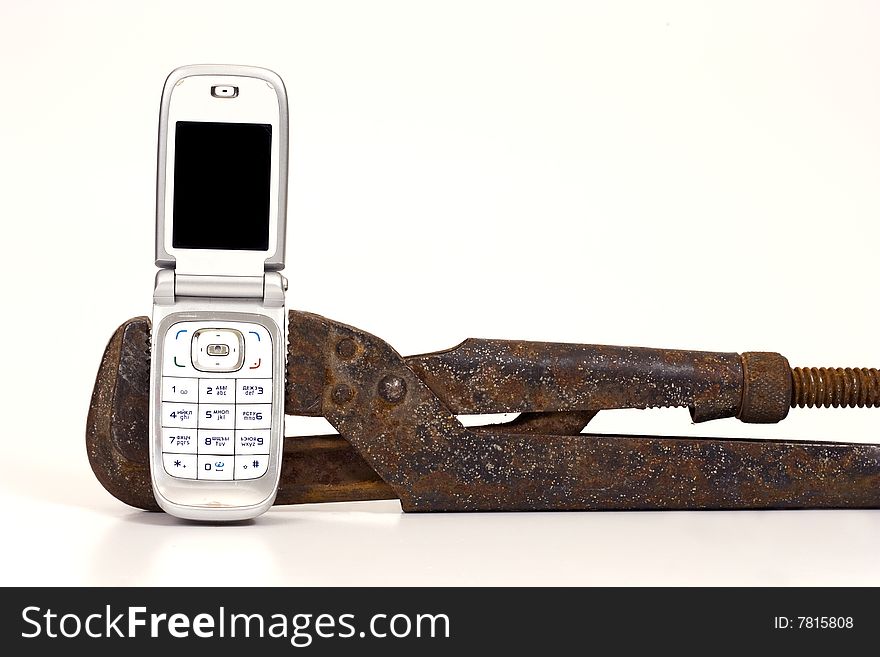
[[392, 388]]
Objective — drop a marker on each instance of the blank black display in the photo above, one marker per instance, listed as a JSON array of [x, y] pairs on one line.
[[221, 185]]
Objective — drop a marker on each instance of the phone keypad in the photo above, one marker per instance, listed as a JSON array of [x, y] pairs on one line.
[[216, 426]]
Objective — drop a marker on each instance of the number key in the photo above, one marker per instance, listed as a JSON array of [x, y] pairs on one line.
[[216, 416], [179, 389], [176, 414], [216, 441], [253, 391], [217, 390], [179, 441], [252, 441], [216, 466], [253, 416]]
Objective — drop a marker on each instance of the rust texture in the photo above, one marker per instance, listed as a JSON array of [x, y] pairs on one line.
[[415, 442], [400, 437], [838, 386], [767, 387], [500, 376]]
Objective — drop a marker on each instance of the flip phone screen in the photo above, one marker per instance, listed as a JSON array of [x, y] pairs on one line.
[[222, 185]]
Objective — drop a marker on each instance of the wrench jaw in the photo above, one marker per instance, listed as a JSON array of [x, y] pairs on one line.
[[314, 468], [117, 439]]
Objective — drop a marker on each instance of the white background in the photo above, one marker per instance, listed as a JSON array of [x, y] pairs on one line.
[[659, 174]]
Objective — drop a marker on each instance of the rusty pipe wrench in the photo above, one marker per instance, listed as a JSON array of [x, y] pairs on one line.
[[399, 436]]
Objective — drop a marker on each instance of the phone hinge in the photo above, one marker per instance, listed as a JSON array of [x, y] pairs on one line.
[[232, 287], [269, 288]]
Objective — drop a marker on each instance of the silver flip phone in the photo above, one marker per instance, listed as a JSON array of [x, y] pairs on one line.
[[219, 322]]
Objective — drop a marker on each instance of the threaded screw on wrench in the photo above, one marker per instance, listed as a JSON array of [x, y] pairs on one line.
[[835, 387]]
